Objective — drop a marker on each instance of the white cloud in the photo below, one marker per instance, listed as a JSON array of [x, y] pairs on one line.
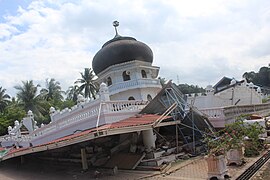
[[200, 41]]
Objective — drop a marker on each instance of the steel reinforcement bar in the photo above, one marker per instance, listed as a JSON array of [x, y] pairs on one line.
[[252, 170]]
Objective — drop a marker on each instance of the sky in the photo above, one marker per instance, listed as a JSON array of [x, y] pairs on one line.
[[195, 42]]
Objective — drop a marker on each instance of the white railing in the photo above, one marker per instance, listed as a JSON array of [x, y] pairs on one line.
[[68, 117], [214, 112], [21, 138], [233, 111], [117, 87], [228, 114], [89, 112], [123, 106]]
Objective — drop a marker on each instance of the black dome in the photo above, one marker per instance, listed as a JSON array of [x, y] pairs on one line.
[[119, 50]]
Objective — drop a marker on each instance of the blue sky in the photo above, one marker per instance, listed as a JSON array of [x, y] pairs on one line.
[[198, 41], [9, 7]]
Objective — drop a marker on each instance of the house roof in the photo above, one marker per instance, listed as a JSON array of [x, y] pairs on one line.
[[132, 124], [225, 83], [222, 82]]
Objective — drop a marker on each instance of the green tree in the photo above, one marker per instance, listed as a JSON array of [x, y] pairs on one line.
[[250, 76], [52, 91], [4, 99], [67, 104], [72, 93], [4, 123], [86, 83], [188, 89], [261, 78], [12, 112], [29, 99]]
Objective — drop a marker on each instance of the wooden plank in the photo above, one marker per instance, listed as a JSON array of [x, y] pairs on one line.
[[84, 159], [138, 162], [123, 160]]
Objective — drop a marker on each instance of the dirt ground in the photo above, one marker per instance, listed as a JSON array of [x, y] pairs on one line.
[[13, 170], [264, 173], [42, 170]]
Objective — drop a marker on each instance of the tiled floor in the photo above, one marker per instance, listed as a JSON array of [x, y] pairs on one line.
[[196, 169]]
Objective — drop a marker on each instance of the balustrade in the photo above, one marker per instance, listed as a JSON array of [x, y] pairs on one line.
[[232, 111], [228, 114], [21, 138], [88, 111], [123, 106], [214, 112], [114, 88], [83, 112]]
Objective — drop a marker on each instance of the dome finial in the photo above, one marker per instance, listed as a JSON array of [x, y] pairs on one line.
[[116, 24]]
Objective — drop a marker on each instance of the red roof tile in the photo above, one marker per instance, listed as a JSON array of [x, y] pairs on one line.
[[132, 121]]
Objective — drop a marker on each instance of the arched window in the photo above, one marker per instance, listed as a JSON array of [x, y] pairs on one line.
[[131, 98], [126, 76], [143, 74], [109, 81], [149, 97]]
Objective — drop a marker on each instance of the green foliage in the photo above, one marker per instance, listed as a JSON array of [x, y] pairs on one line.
[[87, 85], [251, 149], [253, 131], [14, 113], [188, 89], [67, 104], [242, 117], [72, 93], [29, 99], [266, 100], [4, 99], [4, 123], [11, 114], [52, 91], [232, 137], [253, 145], [215, 144], [261, 78]]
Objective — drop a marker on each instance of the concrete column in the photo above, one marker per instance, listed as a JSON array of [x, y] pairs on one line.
[[149, 139], [104, 92], [22, 160], [84, 159]]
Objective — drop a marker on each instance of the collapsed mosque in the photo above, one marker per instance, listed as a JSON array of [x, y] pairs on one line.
[[133, 118]]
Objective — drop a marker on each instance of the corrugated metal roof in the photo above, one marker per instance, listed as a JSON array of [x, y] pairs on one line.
[[129, 122]]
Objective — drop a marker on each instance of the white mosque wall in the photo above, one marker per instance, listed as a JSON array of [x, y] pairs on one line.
[[122, 90], [152, 92], [133, 84], [239, 95], [137, 94]]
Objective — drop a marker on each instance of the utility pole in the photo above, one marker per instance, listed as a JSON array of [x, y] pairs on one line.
[[178, 82]]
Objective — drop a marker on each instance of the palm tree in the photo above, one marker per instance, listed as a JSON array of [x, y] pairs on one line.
[[29, 99], [72, 93], [52, 91], [4, 99], [86, 83]]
